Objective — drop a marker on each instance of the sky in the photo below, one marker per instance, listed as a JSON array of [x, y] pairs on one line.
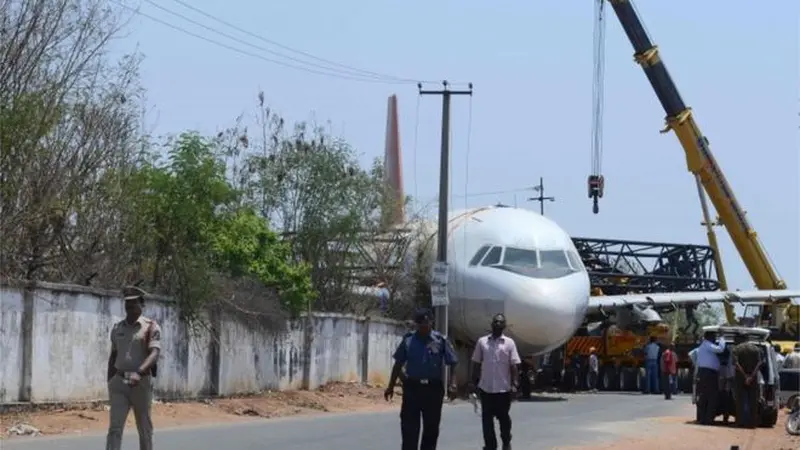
[[736, 65]]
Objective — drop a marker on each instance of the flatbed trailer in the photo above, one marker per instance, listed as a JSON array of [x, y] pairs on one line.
[[617, 267]]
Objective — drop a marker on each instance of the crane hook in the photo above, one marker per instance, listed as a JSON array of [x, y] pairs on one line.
[[596, 187]]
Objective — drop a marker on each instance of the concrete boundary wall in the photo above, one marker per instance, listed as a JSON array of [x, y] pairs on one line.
[[54, 346]]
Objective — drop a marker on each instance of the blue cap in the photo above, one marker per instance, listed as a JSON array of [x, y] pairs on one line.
[[422, 314]]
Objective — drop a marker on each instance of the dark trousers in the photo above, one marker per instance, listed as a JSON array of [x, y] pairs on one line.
[[495, 406], [746, 398], [651, 376], [668, 385], [423, 400], [708, 393]]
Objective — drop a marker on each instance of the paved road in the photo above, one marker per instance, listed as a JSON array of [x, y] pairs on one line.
[[580, 418]]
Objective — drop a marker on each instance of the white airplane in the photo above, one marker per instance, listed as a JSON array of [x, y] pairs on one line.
[[520, 263]]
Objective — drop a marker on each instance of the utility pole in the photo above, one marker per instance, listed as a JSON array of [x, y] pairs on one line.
[[541, 198], [439, 298]]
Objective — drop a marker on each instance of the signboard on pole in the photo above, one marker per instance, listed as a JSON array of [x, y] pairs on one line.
[[439, 277]]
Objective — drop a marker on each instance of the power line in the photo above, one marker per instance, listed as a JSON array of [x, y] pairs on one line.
[[290, 49], [264, 49], [433, 199], [254, 55]]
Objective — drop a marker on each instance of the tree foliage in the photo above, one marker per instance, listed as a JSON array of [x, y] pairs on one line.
[[264, 224], [68, 127], [312, 187], [189, 218]]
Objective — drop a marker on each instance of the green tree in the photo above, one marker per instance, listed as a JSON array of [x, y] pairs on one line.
[[243, 245], [311, 187], [192, 230]]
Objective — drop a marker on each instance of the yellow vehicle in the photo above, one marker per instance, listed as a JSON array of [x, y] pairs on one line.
[[779, 315], [620, 354]]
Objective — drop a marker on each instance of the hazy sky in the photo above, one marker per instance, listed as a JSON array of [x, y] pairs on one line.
[[736, 65]]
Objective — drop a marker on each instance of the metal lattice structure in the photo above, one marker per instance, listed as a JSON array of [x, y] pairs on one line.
[[620, 267]]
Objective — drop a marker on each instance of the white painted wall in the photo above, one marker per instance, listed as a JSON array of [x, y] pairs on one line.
[[54, 344]]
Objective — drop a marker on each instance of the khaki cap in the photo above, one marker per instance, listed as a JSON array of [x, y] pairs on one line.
[[133, 293]]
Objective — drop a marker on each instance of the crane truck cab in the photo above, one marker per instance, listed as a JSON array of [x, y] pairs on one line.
[[768, 380]]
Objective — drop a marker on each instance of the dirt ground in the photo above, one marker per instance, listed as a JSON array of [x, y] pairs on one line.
[[335, 397], [673, 433]]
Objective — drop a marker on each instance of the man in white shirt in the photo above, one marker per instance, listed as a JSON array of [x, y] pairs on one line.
[[708, 366], [495, 373]]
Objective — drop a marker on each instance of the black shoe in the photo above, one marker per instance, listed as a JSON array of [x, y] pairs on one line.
[[506, 446]]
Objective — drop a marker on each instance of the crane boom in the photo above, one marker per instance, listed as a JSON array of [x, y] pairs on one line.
[[699, 158]]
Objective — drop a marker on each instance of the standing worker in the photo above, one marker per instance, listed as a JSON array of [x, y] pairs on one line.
[[778, 356], [135, 346], [792, 360], [495, 373], [727, 373], [669, 370], [651, 366], [424, 353], [708, 377], [747, 359], [594, 369]]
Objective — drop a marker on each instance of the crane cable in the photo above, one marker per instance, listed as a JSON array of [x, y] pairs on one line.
[[596, 181]]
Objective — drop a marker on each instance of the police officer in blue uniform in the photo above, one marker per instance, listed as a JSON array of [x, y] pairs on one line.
[[423, 354]]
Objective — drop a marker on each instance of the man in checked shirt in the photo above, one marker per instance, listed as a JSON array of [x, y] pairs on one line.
[[496, 375]]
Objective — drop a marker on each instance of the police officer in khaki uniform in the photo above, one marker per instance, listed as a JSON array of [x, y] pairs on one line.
[[135, 346], [747, 359]]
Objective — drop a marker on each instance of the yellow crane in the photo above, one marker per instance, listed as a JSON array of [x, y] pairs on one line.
[[709, 178]]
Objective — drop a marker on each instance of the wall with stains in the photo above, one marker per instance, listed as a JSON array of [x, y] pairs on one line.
[[54, 344]]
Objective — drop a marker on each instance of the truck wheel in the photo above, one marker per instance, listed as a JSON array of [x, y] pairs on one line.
[[525, 381], [626, 381], [793, 423], [525, 390], [641, 380], [607, 379], [632, 381], [684, 382]]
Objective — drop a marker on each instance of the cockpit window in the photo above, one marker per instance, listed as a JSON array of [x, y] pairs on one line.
[[519, 257], [493, 257], [479, 255], [544, 264], [575, 260], [554, 259]]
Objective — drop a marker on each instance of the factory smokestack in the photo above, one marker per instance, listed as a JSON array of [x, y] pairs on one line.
[[394, 209]]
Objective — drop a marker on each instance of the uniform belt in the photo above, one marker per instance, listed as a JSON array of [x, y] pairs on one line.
[[119, 373], [423, 381]]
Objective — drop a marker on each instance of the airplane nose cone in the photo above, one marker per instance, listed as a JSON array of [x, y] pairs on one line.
[[545, 313]]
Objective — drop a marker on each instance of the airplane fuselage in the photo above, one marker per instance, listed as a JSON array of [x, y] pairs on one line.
[[519, 263]]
